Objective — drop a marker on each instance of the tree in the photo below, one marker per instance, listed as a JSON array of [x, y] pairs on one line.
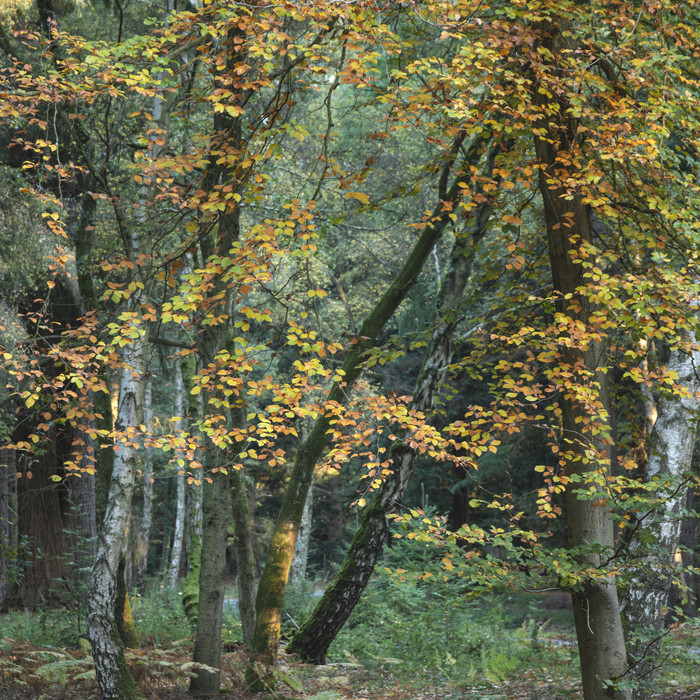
[[311, 642]]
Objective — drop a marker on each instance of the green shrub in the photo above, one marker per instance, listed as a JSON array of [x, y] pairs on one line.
[[159, 615], [45, 627]]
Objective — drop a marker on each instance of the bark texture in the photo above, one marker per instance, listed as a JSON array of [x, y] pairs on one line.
[[113, 676], [312, 641], [143, 536], [215, 517], [244, 553], [672, 442], [297, 572]]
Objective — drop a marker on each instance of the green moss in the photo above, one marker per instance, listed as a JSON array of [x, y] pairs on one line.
[[190, 592]]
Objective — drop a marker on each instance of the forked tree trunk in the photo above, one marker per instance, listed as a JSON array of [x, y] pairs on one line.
[[670, 455], [273, 583], [589, 523], [317, 633], [113, 676], [179, 530]]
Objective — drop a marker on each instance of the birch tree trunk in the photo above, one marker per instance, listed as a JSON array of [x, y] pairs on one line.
[[317, 633], [143, 536], [273, 582], [113, 676], [179, 533], [672, 442]]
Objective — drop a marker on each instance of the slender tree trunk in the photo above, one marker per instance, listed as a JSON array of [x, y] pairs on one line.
[[311, 642], [297, 572], [671, 450], [244, 554], [588, 523], [143, 536], [8, 522], [190, 591], [273, 582], [216, 508], [179, 533], [215, 518], [113, 676]]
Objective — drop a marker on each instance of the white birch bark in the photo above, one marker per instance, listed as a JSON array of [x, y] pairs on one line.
[[179, 533], [113, 676], [671, 449], [144, 532]]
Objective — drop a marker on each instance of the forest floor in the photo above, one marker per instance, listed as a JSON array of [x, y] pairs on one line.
[[28, 672], [537, 660]]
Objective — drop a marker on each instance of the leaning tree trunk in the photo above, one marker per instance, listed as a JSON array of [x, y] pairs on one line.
[[671, 450], [113, 676], [317, 633], [589, 523], [273, 582]]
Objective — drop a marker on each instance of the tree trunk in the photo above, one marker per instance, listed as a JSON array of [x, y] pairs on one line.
[[179, 533], [143, 535], [215, 517], [244, 554], [216, 507], [8, 523], [671, 450], [297, 572], [190, 591], [311, 642], [273, 582], [588, 522], [113, 676]]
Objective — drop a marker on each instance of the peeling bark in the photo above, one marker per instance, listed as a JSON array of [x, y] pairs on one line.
[[113, 676], [143, 536], [671, 450]]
